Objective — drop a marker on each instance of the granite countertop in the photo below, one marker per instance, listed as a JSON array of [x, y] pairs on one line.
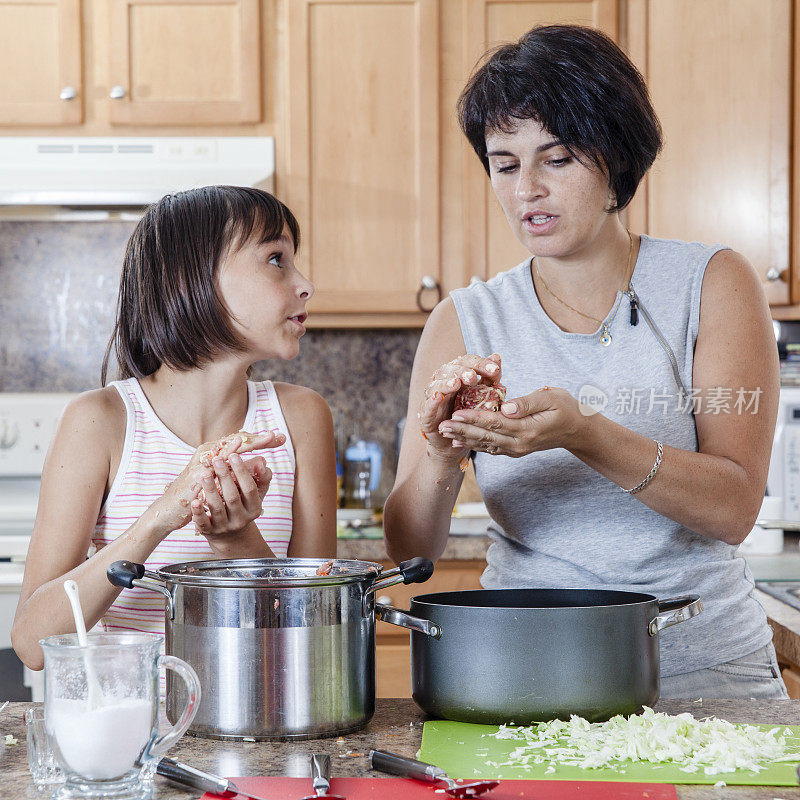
[[397, 725], [459, 548]]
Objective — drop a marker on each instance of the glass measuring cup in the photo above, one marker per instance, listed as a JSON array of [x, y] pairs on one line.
[[101, 712]]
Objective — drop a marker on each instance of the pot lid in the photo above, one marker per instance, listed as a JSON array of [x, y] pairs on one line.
[[268, 572]]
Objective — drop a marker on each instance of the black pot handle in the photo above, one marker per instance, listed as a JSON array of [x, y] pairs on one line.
[[673, 611], [129, 574], [124, 573], [416, 570]]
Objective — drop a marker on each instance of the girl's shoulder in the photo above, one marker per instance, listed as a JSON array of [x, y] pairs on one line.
[[308, 418], [300, 402], [98, 410], [92, 427]]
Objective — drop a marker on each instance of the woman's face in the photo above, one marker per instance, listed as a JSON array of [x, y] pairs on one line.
[[555, 204], [266, 296]]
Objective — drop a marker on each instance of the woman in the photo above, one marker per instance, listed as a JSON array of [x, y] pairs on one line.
[[642, 374]]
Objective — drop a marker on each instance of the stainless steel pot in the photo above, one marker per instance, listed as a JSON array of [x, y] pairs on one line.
[[282, 651], [525, 655]]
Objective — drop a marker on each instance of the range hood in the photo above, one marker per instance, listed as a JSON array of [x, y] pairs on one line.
[[102, 177]]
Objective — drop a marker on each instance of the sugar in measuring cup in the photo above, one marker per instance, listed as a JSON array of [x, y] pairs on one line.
[[103, 721]]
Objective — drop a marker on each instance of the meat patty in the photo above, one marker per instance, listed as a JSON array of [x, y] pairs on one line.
[[485, 395]]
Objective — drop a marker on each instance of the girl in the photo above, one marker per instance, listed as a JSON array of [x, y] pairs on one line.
[[209, 286], [632, 451]]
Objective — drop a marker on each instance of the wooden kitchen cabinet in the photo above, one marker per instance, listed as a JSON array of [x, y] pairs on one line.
[[40, 62], [720, 76], [184, 62], [362, 164], [393, 644]]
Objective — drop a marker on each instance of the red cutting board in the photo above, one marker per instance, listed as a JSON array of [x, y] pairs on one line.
[[406, 789]]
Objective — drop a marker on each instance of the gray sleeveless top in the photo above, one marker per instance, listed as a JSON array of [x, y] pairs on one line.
[[558, 523]]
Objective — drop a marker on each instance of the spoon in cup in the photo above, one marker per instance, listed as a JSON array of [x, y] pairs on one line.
[[95, 690]]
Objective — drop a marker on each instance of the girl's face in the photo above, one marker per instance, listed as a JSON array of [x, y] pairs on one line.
[[266, 296], [554, 203]]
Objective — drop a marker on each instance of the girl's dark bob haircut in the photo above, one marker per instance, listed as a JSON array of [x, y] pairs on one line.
[[577, 84], [170, 310]]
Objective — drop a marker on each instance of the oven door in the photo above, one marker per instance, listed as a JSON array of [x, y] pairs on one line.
[[12, 673]]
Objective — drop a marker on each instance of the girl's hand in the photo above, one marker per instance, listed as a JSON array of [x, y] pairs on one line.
[[234, 496], [437, 405], [172, 510], [542, 420]]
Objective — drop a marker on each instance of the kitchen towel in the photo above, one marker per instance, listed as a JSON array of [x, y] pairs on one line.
[[464, 751]]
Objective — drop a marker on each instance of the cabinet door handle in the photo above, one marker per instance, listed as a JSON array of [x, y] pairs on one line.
[[429, 284], [117, 92], [68, 93], [773, 274]]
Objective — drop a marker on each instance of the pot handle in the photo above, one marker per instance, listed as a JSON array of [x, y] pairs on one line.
[[673, 611], [127, 574], [394, 616], [415, 570]]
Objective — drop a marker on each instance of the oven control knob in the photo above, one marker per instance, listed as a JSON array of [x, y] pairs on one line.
[[9, 434]]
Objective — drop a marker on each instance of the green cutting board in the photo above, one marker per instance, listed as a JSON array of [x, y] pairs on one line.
[[462, 750]]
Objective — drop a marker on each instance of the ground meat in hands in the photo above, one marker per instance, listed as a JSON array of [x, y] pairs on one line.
[[484, 395], [208, 455]]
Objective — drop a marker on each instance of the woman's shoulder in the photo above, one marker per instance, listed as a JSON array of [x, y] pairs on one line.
[[500, 280], [729, 273], [679, 252]]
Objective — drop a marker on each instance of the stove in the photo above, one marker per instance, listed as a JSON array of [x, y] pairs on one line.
[[27, 424], [786, 591]]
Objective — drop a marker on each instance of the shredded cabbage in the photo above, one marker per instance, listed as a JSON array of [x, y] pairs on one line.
[[711, 745]]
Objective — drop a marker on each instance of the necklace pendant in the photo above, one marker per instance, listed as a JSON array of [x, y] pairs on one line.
[[605, 339]]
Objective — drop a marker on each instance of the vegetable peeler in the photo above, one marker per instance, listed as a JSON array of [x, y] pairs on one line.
[[409, 768]]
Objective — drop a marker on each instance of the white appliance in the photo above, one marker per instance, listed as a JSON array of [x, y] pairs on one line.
[[784, 466], [51, 172], [27, 425]]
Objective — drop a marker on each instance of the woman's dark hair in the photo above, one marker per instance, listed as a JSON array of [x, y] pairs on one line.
[[169, 309], [579, 86]]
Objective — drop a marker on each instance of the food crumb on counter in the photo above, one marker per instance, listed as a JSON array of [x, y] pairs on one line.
[[10, 740]]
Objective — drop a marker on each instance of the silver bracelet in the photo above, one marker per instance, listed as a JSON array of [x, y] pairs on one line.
[[651, 474]]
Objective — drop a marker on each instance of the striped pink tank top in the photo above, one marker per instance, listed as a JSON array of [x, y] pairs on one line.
[[152, 456]]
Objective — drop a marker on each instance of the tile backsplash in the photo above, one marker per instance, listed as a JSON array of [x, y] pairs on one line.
[[59, 288]]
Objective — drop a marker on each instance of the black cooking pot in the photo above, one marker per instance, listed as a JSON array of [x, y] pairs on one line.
[[525, 655]]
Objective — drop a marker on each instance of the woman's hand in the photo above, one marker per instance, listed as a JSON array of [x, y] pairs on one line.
[[542, 420], [437, 405], [173, 509]]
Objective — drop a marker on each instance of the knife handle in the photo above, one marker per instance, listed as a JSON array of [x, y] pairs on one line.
[[321, 772], [195, 778], [396, 764]]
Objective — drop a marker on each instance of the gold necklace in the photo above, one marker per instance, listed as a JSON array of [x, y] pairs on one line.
[[605, 335]]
